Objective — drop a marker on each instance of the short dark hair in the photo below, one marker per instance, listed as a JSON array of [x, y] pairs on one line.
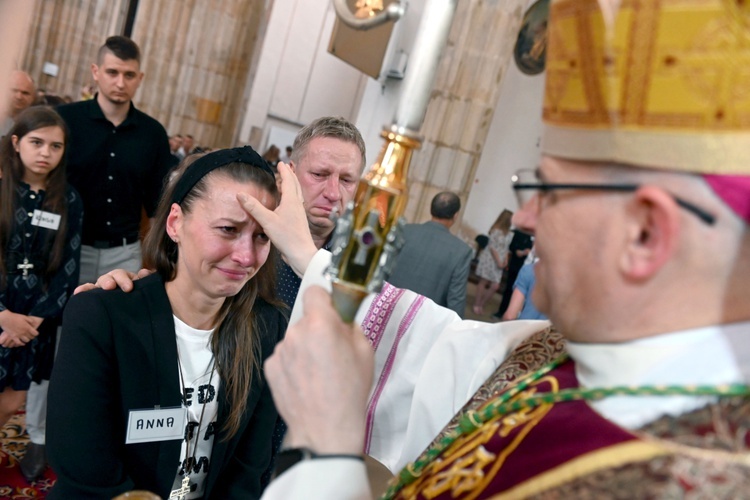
[[121, 47], [445, 205]]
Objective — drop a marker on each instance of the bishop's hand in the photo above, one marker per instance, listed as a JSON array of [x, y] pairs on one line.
[[320, 377]]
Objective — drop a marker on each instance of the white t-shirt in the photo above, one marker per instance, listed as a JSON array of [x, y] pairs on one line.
[[197, 361]]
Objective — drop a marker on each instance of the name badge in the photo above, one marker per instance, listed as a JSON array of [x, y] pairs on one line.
[[145, 426], [45, 219]]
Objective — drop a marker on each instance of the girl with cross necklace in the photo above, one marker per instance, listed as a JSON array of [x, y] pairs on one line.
[[40, 233]]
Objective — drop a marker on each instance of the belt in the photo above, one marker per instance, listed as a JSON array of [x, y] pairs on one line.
[[114, 242]]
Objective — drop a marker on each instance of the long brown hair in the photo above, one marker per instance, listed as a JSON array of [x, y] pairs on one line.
[[236, 340], [13, 170], [503, 221]]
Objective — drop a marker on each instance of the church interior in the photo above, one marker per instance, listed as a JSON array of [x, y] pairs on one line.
[[623, 149], [236, 72]]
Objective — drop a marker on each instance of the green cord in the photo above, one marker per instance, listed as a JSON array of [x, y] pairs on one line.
[[474, 419]]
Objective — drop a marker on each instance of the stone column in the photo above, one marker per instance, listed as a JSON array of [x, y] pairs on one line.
[[15, 21], [479, 49], [69, 34], [197, 58]]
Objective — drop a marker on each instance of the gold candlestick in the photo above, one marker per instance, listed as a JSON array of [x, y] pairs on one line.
[[367, 235]]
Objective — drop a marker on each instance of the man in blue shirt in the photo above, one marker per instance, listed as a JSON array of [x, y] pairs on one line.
[[520, 301]]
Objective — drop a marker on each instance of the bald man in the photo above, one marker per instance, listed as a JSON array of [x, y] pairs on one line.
[[20, 96]]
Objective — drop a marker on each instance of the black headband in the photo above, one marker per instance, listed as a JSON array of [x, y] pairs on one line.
[[212, 161]]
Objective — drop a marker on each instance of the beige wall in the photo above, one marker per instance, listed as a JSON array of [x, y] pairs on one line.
[[196, 55], [297, 80], [68, 34]]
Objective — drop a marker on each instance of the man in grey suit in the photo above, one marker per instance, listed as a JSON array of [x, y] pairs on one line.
[[433, 262]]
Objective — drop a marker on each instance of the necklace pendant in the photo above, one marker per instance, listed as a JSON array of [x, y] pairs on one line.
[[182, 492], [25, 267]]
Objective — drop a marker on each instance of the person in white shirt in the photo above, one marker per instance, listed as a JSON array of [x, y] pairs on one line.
[[161, 389]]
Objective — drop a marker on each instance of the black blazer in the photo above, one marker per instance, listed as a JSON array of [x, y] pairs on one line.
[[118, 353]]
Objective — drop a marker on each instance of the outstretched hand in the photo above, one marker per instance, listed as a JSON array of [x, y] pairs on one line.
[[287, 226], [320, 377]]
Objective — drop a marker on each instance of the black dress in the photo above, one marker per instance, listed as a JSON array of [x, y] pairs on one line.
[[521, 241], [24, 290]]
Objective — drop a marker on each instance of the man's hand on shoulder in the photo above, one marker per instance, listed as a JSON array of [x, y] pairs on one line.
[[117, 278]]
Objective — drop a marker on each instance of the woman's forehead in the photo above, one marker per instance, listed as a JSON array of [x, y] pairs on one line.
[[222, 191], [223, 183]]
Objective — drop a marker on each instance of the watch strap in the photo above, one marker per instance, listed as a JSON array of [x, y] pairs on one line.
[[286, 459]]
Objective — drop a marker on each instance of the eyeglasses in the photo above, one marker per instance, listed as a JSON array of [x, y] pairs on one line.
[[526, 182]]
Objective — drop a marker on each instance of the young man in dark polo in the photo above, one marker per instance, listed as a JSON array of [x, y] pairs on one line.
[[118, 157]]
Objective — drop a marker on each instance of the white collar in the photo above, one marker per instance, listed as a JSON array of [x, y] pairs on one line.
[[706, 356]]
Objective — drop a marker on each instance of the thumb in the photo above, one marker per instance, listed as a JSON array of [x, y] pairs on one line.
[[29, 327], [255, 208]]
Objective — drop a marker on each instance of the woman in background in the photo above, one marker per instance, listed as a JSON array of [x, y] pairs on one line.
[[492, 261]]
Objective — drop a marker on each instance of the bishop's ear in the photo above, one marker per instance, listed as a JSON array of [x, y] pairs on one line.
[[653, 230]]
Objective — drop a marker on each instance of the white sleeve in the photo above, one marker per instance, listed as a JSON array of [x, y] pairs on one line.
[[313, 276], [321, 479], [428, 363], [457, 364]]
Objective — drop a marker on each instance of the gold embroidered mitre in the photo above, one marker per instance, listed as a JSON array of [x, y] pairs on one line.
[[654, 83]]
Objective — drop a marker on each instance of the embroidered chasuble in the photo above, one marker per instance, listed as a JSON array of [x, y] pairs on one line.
[[565, 450], [532, 354]]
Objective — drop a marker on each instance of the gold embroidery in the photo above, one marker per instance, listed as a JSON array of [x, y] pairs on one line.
[[460, 448], [461, 469], [611, 456], [463, 476], [519, 418]]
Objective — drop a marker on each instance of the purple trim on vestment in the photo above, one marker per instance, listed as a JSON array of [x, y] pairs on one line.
[[385, 374], [380, 312]]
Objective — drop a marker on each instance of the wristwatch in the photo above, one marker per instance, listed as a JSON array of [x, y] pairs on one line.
[[286, 459]]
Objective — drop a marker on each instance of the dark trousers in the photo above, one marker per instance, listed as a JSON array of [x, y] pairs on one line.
[[514, 267]]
